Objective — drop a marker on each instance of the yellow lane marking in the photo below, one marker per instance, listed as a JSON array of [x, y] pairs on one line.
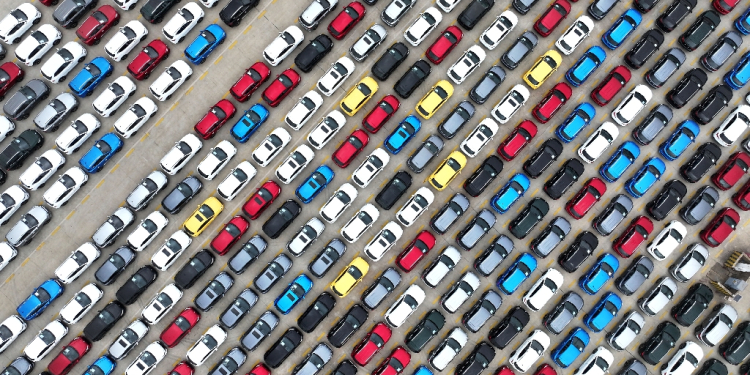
[[100, 183], [70, 215]]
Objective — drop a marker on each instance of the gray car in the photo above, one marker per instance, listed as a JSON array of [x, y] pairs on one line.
[[247, 254], [633, 367], [311, 16], [490, 259], [450, 213], [468, 237], [327, 258], [521, 48], [563, 313], [58, 109], [145, 192], [213, 292], [116, 223], [487, 85], [368, 42], [482, 311], [721, 51], [635, 275], [274, 271], [259, 331], [25, 229], [314, 361], [20, 105], [114, 265], [69, 12], [427, 152], [381, 288], [239, 308], [550, 237], [698, 207], [652, 124], [230, 363], [612, 215], [395, 11], [128, 339], [665, 67], [459, 116]]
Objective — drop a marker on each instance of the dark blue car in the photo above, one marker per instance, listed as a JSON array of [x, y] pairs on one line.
[[622, 28], [620, 161], [249, 123], [740, 74], [603, 312], [314, 184], [197, 51], [742, 23], [599, 274], [682, 137], [571, 347], [404, 132], [94, 160], [293, 294], [585, 66], [92, 74], [517, 273], [646, 177], [576, 121], [40, 299]]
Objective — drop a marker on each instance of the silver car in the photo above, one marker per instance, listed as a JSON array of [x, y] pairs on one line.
[[113, 227], [482, 311], [314, 361], [550, 237], [476, 229], [450, 213], [128, 339], [368, 42], [58, 109], [259, 331], [140, 197], [25, 229], [381, 288]]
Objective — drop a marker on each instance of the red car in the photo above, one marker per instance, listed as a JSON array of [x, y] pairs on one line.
[[346, 19], [724, 6], [49, 2], [512, 145], [230, 234], [349, 150], [553, 16], [215, 119], [371, 344], [379, 115], [281, 87], [416, 250], [387, 367], [504, 370], [545, 369], [98, 23], [263, 197], [253, 77], [719, 229], [742, 197], [611, 85], [182, 368], [445, 43], [732, 171], [590, 193], [552, 102], [69, 356], [146, 61], [180, 327], [636, 234], [259, 369], [10, 74]]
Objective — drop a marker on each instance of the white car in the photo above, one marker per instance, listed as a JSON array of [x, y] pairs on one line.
[[147, 360], [37, 44], [144, 192], [479, 137], [128, 339], [78, 261], [37, 174], [597, 363], [543, 289], [60, 64], [216, 160], [395, 10], [360, 223], [660, 294], [13, 326], [305, 236], [383, 241], [206, 345], [6, 127], [717, 325], [441, 266], [209, 3], [312, 15], [415, 206], [110, 99], [733, 126], [18, 22], [169, 81], [366, 172], [294, 164], [182, 22], [236, 180], [574, 35], [10, 201], [626, 331], [633, 104], [510, 103], [81, 303], [54, 113], [271, 146], [172, 248], [339, 201], [305, 108], [149, 228], [366, 43], [447, 5], [598, 142], [685, 361], [133, 119], [689, 263], [115, 224], [180, 154], [126, 4], [71, 139], [460, 292], [119, 46], [466, 64], [45, 341], [667, 240], [448, 349], [404, 306], [423, 26], [7, 253], [60, 192], [283, 45], [324, 131], [499, 29], [526, 355], [335, 76], [161, 304]]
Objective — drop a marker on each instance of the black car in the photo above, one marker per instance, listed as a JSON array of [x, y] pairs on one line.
[[701, 28], [393, 190], [699, 205], [213, 292], [474, 12], [644, 6], [69, 12], [155, 10], [570, 305], [389, 61], [346, 367], [104, 321], [20, 148], [518, 51], [238, 309], [181, 194], [236, 10], [563, 179], [523, 6], [487, 84], [660, 343], [424, 331], [283, 348], [714, 366], [669, 197], [644, 48], [600, 8], [652, 124], [692, 82], [114, 265], [412, 78], [692, 305], [705, 158], [20, 105], [316, 312], [459, 116], [737, 347], [272, 273], [507, 329], [280, 220], [677, 11], [635, 275], [259, 331], [613, 214], [247, 254], [581, 249], [719, 53], [315, 51], [483, 176], [712, 104], [136, 285], [543, 158], [493, 255], [343, 330], [531, 215], [194, 269]]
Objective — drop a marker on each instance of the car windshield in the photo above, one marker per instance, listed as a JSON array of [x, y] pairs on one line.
[[149, 226], [40, 37], [602, 364], [174, 73], [103, 147], [209, 342], [106, 317], [47, 337], [206, 211], [210, 38], [666, 292]]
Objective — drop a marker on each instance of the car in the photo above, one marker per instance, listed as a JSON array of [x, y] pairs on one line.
[[478, 360], [232, 14], [206, 345], [103, 365], [474, 12], [732, 127], [283, 45], [572, 346], [415, 206], [28, 226], [689, 263], [508, 328], [395, 363], [482, 177], [705, 157], [597, 362], [444, 44], [634, 235], [108, 272], [55, 69], [445, 352], [517, 140], [326, 129], [518, 51], [271, 146], [237, 179], [528, 218], [36, 175], [182, 22], [598, 142], [582, 247], [600, 8], [720, 52], [479, 137], [440, 267], [247, 254], [738, 76], [619, 162], [717, 325], [700, 205], [172, 248], [498, 29], [720, 227], [574, 35], [626, 331], [147, 360], [712, 104], [259, 331], [699, 30], [7, 254], [285, 346], [686, 360], [510, 104], [104, 321], [563, 313], [542, 69], [383, 241], [599, 274], [80, 304], [335, 76], [652, 124], [404, 306], [135, 117], [229, 235], [546, 23], [613, 214], [455, 121], [425, 153], [37, 44], [370, 167], [77, 262], [181, 194], [668, 198], [349, 16], [434, 99], [256, 75], [634, 103], [550, 237], [46, 340], [482, 310], [69, 356], [20, 105], [11, 200], [281, 218], [170, 80], [102, 151], [611, 85], [155, 10], [412, 78], [543, 289], [305, 236], [261, 199], [665, 67], [345, 327], [162, 302], [194, 269], [555, 99], [238, 309], [367, 43], [621, 29], [733, 169], [644, 48], [658, 296], [487, 85], [213, 291], [145, 192], [360, 222], [603, 312], [734, 350], [315, 313], [124, 41], [18, 22], [376, 293], [692, 305], [425, 23], [473, 232], [206, 42], [358, 96], [645, 178], [202, 217], [493, 255], [314, 184], [466, 64], [586, 65], [402, 134], [395, 10], [339, 201], [214, 119], [293, 165], [674, 14], [510, 280], [415, 251], [312, 15], [692, 82], [42, 296], [314, 361], [526, 354], [371, 344]]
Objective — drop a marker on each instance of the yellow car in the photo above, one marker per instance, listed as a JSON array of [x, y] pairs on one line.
[[358, 95], [542, 69], [448, 170], [433, 100], [204, 215], [350, 277]]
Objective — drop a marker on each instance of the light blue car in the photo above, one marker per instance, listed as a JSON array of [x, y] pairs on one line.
[[510, 193], [293, 294], [599, 274], [102, 366], [585, 66], [404, 132], [577, 120], [571, 347], [314, 184], [622, 28], [682, 137], [246, 126], [516, 274], [197, 51], [90, 76], [620, 161], [646, 177]]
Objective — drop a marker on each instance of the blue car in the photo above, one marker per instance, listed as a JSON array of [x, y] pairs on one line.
[[603, 312], [571, 347], [94, 160], [293, 294], [404, 133], [314, 184], [742, 23], [740, 74], [517, 273], [597, 276], [422, 370], [577, 120], [682, 137], [510, 193], [646, 177], [38, 301], [622, 28], [586, 65], [92, 74], [249, 123], [102, 366], [620, 161], [197, 51]]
